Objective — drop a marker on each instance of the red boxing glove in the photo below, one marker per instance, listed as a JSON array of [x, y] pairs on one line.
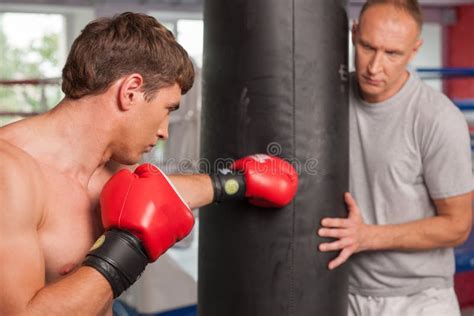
[[270, 181], [143, 216], [266, 181], [146, 204]]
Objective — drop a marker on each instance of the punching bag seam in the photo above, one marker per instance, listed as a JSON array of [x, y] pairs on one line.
[[291, 309]]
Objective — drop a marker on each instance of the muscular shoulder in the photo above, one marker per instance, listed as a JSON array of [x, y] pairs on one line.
[[15, 160], [20, 184]]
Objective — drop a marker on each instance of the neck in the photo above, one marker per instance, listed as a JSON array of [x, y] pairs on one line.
[[72, 137]]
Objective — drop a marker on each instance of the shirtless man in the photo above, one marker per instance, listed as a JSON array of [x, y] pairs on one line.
[[122, 78]]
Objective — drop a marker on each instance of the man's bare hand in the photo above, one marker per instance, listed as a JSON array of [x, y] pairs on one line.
[[351, 233]]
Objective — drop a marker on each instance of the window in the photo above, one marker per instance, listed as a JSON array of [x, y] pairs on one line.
[[190, 36], [32, 50]]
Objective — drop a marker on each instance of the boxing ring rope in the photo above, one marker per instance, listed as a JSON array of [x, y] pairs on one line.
[[45, 81], [425, 73], [19, 113], [40, 82], [465, 104], [446, 72], [188, 116]]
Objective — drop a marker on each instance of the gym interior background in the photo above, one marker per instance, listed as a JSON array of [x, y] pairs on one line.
[[34, 40]]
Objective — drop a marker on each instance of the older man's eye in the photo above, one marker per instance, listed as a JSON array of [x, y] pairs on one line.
[[366, 47], [392, 53]]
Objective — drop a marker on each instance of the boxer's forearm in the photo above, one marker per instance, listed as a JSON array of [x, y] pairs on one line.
[[195, 189], [266, 181], [84, 292]]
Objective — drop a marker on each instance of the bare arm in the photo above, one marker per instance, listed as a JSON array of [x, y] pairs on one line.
[[196, 189], [84, 292], [22, 268], [448, 228]]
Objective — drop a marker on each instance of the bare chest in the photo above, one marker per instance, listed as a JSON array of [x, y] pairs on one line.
[[70, 227]]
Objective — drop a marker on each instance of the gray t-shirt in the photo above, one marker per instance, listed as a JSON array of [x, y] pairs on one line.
[[404, 152]]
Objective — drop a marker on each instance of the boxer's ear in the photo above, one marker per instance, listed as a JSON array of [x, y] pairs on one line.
[[130, 91]]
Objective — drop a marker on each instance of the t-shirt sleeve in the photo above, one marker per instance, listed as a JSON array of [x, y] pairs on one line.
[[446, 154]]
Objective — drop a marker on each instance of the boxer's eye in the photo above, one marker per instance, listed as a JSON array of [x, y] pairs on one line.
[[173, 108]]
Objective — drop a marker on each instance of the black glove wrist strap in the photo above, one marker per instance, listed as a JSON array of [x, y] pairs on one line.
[[119, 257], [228, 186]]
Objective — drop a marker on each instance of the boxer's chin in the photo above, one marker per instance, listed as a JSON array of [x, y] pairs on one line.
[[128, 159]]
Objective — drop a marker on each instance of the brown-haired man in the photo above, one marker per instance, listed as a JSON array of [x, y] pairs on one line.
[[410, 175], [123, 77]]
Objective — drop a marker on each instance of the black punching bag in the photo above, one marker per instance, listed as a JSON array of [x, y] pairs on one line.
[[274, 81]]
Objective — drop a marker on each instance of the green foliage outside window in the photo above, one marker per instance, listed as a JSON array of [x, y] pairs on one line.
[[40, 56]]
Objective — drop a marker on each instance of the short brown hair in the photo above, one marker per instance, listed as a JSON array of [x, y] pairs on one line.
[[412, 7], [109, 48]]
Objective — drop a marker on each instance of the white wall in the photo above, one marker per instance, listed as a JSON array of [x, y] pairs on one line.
[[430, 54]]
